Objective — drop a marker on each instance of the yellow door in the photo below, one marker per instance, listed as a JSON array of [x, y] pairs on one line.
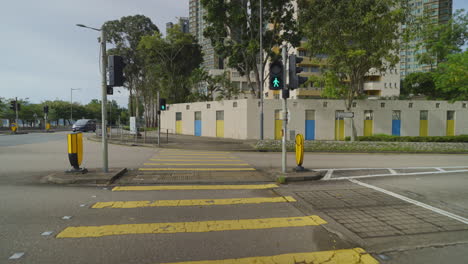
[[278, 125], [220, 124], [179, 127], [423, 123], [219, 128], [339, 130], [368, 126], [450, 131], [423, 128]]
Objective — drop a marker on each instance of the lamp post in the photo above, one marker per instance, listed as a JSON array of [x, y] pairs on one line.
[[261, 70], [105, 164], [71, 102]]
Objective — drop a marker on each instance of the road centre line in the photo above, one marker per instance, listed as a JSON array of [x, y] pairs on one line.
[[194, 187], [196, 164], [194, 160], [194, 202], [190, 227], [196, 169], [403, 168], [409, 200], [341, 256], [397, 174]]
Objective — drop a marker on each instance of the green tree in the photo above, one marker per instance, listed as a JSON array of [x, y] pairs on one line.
[[126, 34], [451, 77], [357, 36], [233, 28], [420, 83], [173, 58], [438, 40]]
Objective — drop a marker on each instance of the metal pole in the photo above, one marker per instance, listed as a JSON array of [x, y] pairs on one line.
[[159, 121], [71, 104], [285, 119], [261, 70], [105, 165], [16, 113]]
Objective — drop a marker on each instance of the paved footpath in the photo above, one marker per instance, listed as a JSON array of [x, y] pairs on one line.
[[165, 224]]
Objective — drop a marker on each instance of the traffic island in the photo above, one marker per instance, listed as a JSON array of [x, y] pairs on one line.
[[307, 175], [93, 176]]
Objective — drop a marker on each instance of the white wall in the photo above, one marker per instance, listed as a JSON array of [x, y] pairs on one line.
[[243, 121]]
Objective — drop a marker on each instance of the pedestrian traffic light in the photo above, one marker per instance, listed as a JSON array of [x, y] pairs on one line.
[[13, 105], [162, 104], [110, 90], [294, 79], [116, 66], [285, 93], [276, 75], [46, 109]]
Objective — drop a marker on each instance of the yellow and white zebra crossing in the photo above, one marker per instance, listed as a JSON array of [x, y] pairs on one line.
[[354, 255], [185, 160]]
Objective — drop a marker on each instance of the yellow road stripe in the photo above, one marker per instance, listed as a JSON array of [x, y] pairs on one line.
[[196, 164], [189, 154], [189, 151], [194, 187], [192, 157], [196, 169], [196, 202], [342, 256], [194, 160], [190, 227]]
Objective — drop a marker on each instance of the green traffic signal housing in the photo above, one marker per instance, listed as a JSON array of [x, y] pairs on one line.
[[276, 75], [294, 79], [162, 104]]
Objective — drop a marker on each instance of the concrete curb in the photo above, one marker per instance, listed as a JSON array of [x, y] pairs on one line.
[[306, 176], [91, 178]]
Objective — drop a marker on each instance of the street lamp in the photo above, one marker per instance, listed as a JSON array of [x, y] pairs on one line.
[[71, 102], [105, 165]]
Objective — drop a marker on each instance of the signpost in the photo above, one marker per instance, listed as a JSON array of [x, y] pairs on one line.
[[345, 114]]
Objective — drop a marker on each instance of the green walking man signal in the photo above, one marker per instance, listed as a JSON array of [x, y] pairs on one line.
[[276, 83], [276, 75]]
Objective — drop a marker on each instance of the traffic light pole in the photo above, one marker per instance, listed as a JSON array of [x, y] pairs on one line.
[[159, 121], [105, 164], [16, 114], [285, 114], [261, 71]]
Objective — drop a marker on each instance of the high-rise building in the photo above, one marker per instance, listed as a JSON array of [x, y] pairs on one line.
[[183, 24], [440, 11], [196, 26]]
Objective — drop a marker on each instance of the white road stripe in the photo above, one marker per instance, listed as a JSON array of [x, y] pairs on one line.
[[402, 168], [398, 174], [392, 171], [328, 175], [439, 169], [406, 199]]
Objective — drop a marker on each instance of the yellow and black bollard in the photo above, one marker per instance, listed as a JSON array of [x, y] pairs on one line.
[[299, 152], [75, 151]]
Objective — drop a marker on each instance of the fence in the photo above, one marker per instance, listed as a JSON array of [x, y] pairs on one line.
[[144, 135]]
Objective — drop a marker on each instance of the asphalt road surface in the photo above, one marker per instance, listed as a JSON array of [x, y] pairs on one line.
[[412, 218]]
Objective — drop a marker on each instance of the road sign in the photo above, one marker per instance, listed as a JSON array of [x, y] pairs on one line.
[[345, 114]]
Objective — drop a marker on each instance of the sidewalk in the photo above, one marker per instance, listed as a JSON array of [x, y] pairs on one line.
[[173, 141]]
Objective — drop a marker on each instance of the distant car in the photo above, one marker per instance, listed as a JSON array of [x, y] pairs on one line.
[[84, 125]]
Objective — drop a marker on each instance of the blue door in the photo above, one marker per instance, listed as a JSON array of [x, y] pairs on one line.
[[396, 123], [310, 125], [198, 124], [310, 130]]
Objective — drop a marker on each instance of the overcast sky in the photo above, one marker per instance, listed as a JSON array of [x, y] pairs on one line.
[[44, 55]]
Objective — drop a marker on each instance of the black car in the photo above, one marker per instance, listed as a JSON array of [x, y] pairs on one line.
[[84, 125]]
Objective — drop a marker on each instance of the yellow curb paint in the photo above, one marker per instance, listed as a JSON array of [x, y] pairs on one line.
[[194, 187], [196, 164], [210, 160], [196, 202], [190, 227], [196, 169], [342, 256]]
